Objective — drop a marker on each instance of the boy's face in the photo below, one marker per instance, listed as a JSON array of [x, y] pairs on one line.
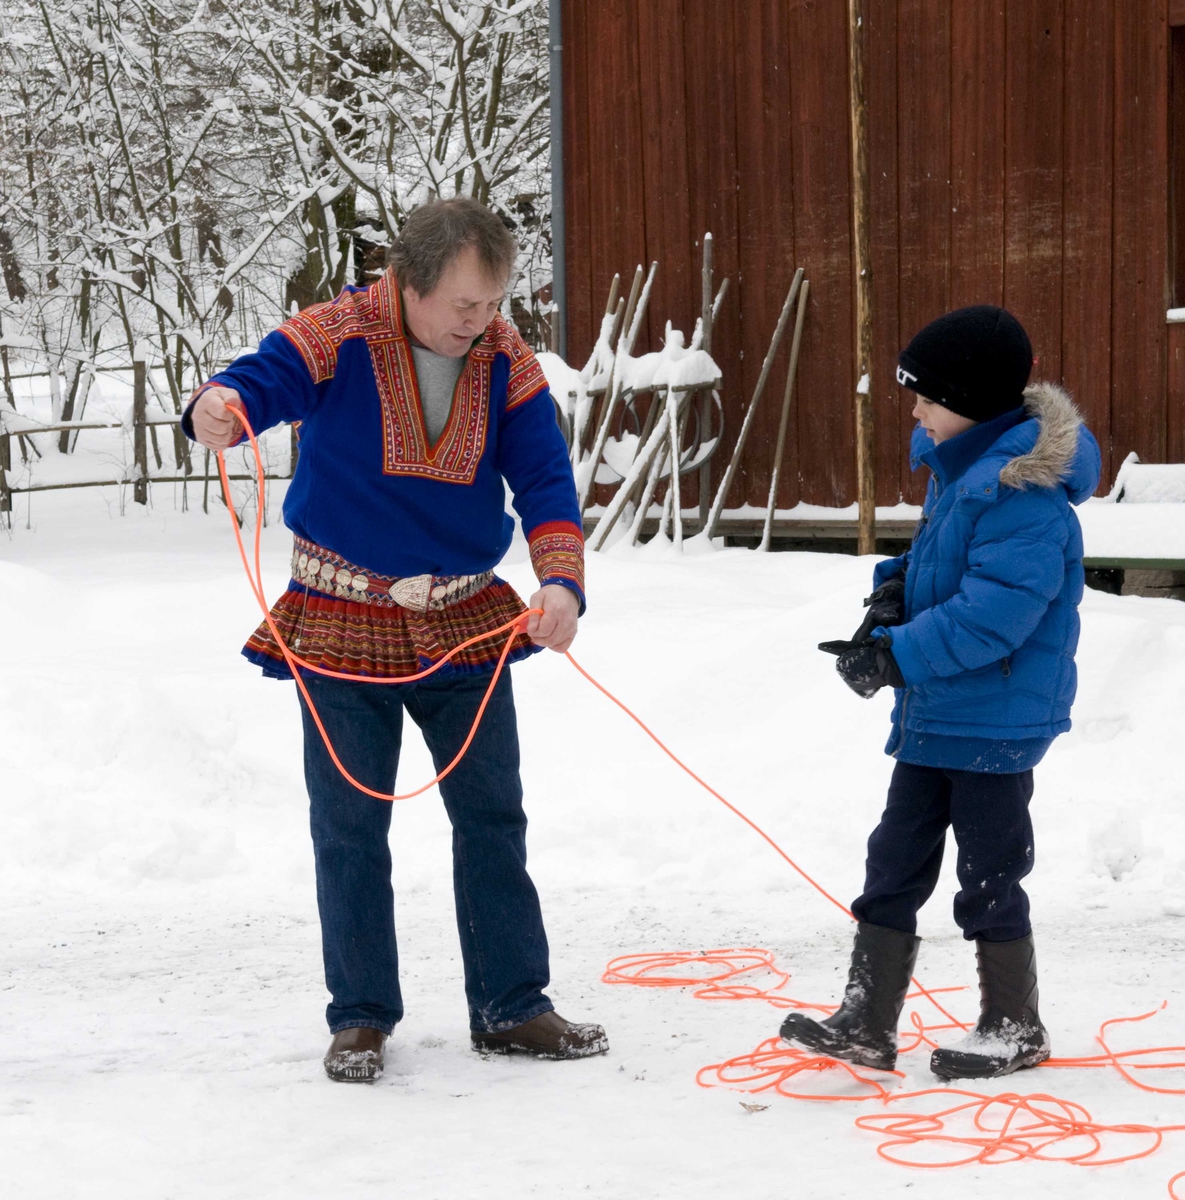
[[939, 422]]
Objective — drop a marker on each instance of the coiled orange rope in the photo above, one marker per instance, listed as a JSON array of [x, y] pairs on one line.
[[977, 1128]]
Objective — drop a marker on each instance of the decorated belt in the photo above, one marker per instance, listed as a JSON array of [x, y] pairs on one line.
[[323, 571]]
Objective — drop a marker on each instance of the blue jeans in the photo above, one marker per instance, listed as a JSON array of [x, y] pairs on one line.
[[990, 818], [503, 945]]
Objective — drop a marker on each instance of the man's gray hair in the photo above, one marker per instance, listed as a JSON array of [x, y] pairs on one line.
[[435, 233]]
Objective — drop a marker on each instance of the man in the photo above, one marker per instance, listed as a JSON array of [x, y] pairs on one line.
[[415, 401]]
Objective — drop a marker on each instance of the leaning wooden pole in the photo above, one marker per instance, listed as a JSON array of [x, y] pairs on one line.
[[747, 424], [861, 205], [784, 423], [624, 348]]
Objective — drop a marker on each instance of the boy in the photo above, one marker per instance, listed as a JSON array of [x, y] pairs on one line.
[[975, 627]]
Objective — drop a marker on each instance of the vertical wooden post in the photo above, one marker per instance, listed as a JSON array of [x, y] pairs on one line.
[[705, 404], [5, 467], [865, 442], [140, 426], [784, 423]]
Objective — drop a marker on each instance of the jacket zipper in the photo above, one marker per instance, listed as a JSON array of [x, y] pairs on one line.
[[1006, 667], [901, 727]]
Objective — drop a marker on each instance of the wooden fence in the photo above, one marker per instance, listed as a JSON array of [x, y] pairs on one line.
[[144, 431]]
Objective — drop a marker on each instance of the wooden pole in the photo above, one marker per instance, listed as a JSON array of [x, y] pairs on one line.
[[140, 429], [675, 487], [705, 411], [632, 302], [750, 412], [625, 348], [614, 289], [787, 400], [5, 467], [861, 205]]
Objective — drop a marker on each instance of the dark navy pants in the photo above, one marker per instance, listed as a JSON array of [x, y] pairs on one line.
[[990, 818], [503, 945]]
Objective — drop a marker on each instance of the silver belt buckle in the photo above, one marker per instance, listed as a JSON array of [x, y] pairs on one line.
[[413, 593]]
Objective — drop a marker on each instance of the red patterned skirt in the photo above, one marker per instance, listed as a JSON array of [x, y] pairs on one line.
[[384, 642]]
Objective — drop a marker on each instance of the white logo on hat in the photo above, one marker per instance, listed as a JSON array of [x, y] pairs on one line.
[[905, 378]]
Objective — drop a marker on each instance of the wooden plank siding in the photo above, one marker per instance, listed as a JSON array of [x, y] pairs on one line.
[[881, 83], [766, 236], [819, 130], [709, 43], [1033, 176], [923, 184], [1139, 300], [1088, 158], [1019, 154]]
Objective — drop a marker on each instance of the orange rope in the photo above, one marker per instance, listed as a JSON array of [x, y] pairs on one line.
[[980, 1128], [295, 662], [1032, 1126]]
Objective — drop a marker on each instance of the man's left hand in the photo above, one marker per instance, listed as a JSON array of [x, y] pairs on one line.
[[556, 628]]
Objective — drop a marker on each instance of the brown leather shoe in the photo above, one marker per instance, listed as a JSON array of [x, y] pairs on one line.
[[355, 1055], [546, 1036]]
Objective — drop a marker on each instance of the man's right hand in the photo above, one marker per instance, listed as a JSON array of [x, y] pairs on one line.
[[214, 425]]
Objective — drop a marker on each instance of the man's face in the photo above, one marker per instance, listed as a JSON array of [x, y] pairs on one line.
[[457, 310], [938, 421]]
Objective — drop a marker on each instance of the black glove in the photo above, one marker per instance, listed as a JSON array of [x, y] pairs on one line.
[[886, 606], [867, 669]]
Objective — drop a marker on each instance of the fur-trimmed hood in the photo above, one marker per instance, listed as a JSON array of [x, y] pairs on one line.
[[1053, 458], [1051, 448]]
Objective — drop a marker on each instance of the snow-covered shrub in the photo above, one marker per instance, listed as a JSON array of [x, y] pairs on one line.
[[182, 172]]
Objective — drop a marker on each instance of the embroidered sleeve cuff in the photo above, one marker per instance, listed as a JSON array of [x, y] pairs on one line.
[[557, 554]]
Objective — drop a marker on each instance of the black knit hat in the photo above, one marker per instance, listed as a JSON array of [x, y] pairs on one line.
[[974, 361]]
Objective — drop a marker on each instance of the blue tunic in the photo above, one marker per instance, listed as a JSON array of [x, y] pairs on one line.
[[371, 488]]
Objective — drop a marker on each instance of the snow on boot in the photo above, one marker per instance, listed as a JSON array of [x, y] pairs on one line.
[[546, 1036], [355, 1055], [1009, 1035], [863, 1030]]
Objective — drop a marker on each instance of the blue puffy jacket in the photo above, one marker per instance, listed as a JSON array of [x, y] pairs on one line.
[[994, 578]]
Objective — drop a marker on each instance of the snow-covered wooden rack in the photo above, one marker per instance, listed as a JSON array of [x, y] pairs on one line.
[[611, 438], [612, 441]]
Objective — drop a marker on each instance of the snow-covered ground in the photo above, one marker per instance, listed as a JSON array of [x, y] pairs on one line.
[[160, 994]]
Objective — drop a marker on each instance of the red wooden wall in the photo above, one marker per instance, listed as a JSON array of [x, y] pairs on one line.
[[1019, 155]]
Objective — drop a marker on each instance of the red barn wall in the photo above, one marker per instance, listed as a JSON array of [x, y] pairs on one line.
[[1019, 155]]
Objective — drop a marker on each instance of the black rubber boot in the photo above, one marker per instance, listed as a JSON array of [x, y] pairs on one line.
[[1009, 1035], [864, 1028]]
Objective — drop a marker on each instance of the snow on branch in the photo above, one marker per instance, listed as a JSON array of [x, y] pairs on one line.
[[183, 174]]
